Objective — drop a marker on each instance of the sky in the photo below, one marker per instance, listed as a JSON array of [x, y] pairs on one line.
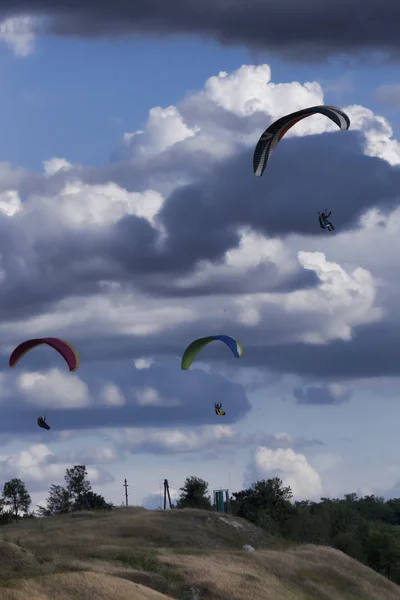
[[131, 224]]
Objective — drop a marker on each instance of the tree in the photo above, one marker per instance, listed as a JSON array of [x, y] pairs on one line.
[[265, 503], [58, 502], [78, 486], [96, 501], [194, 494], [15, 495]]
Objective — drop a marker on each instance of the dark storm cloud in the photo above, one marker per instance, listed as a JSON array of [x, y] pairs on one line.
[[373, 352], [305, 30], [201, 221], [258, 279], [319, 395], [304, 176], [37, 245]]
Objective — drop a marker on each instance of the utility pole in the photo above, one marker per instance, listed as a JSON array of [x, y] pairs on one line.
[[126, 492], [166, 492]]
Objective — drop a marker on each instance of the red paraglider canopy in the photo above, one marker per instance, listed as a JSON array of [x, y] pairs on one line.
[[67, 351]]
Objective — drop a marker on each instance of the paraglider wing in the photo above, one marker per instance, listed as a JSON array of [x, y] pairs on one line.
[[194, 348], [275, 132], [67, 351]]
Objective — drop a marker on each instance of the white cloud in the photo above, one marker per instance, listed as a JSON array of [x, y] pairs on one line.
[[165, 127], [31, 465], [340, 302], [112, 395], [143, 363], [39, 468], [83, 205], [19, 34], [378, 134], [53, 388], [10, 203], [122, 313], [338, 391], [155, 500], [54, 165], [247, 93], [211, 438], [292, 468], [253, 251], [150, 397]]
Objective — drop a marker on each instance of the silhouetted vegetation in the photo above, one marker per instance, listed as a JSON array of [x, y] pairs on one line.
[[75, 496], [366, 529], [194, 494]]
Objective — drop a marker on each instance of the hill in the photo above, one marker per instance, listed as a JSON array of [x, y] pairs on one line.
[[135, 554]]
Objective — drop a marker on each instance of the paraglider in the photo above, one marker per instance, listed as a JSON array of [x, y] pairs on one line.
[[41, 421], [218, 409], [194, 348], [275, 132], [323, 221], [67, 351]]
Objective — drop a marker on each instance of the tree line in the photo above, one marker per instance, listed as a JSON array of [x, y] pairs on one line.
[[77, 494], [365, 528]]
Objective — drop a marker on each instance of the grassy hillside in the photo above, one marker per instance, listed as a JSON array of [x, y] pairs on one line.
[[181, 555]]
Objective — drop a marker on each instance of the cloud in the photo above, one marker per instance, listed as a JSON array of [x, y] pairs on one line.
[[326, 462], [112, 395], [126, 271], [292, 468], [139, 238], [212, 438], [350, 298], [38, 467], [149, 396], [117, 395], [325, 394], [143, 363], [313, 32], [388, 94], [56, 165], [53, 389], [155, 500], [90, 455], [19, 34], [165, 127]]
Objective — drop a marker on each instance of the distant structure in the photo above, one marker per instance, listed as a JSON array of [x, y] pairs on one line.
[[222, 505], [126, 492], [166, 494]]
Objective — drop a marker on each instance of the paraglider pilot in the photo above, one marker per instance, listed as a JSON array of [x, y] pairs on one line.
[[42, 423], [323, 221], [218, 409]]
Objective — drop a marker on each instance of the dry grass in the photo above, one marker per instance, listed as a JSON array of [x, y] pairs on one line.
[[85, 586], [145, 555], [303, 573]]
